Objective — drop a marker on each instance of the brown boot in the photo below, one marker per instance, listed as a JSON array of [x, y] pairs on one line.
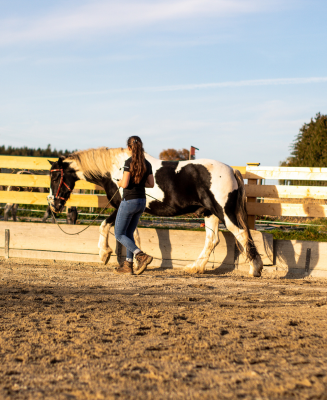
[[125, 268], [143, 260]]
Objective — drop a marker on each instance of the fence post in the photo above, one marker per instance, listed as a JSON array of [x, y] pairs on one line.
[[91, 210], [251, 218], [7, 239]]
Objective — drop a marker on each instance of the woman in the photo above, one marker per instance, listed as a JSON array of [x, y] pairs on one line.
[[137, 176]]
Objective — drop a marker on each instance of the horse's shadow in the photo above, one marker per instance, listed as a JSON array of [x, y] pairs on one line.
[[165, 248], [220, 261], [298, 258], [162, 256]]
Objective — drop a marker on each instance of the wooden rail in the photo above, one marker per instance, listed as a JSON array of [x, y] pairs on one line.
[[289, 210], [78, 200], [20, 162], [43, 181], [254, 174], [289, 173], [287, 192]]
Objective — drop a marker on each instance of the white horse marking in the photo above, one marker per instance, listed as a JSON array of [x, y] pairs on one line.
[[105, 250], [212, 239]]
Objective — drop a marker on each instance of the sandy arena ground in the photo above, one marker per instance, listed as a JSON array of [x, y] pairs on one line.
[[79, 331]]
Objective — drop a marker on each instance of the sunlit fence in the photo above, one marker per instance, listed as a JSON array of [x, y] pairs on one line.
[[262, 200], [278, 200]]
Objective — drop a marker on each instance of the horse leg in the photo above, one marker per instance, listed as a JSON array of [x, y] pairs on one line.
[[53, 220], [14, 212], [137, 238], [212, 239], [7, 210], [46, 214], [104, 248], [244, 238]]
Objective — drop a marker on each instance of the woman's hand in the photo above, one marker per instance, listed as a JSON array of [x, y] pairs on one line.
[[125, 181], [149, 182]]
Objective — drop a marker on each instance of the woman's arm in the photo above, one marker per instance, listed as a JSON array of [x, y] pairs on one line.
[[149, 182], [125, 181]]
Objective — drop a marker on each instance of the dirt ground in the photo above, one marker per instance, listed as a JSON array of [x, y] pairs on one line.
[[79, 331]]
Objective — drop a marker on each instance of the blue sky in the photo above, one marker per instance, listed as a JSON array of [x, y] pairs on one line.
[[235, 78]]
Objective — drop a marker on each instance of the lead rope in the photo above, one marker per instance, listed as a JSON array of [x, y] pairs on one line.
[[77, 233]]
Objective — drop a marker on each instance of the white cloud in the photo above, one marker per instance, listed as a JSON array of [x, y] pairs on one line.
[[199, 86], [253, 82], [126, 15]]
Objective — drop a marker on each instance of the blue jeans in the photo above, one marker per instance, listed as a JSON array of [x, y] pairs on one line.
[[128, 216]]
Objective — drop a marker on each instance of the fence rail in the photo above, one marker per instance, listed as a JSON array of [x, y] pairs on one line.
[[289, 173], [286, 192], [254, 174], [289, 210], [78, 200], [42, 181], [20, 162]]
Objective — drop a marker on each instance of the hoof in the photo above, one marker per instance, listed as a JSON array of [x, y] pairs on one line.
[[256, 267], [193, 269], [105, 256], [255, 273]]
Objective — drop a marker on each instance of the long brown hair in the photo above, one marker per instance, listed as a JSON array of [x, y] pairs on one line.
[[138, 167]]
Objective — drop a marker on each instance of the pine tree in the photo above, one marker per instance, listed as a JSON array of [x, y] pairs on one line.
[[309, 148], [30, 152]]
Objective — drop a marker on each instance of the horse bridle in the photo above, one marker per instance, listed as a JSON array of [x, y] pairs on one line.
[[60, 184]]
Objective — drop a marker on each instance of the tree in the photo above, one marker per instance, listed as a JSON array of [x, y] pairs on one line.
[[174, 155], [309, 148], [30, 152]]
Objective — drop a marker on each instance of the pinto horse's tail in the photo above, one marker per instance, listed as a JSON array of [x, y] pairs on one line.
[[242, 217]]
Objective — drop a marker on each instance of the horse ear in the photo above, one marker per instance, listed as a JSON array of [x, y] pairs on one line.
[[60, 160], [51, 162]]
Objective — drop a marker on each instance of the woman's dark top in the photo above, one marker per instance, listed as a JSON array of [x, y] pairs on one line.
[[136, 190]]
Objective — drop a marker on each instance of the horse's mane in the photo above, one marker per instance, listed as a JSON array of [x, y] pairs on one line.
[[95, 163]]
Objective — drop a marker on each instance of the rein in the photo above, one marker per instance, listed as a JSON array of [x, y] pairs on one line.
[[61, 198]]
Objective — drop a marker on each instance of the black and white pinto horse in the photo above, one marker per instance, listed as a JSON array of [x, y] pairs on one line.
[[204, 186]]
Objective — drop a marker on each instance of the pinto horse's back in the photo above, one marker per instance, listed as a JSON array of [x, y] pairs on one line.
[[222, 176], [219, 182]]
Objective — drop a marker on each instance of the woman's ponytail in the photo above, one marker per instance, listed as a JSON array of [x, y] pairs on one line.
[[137, 167]]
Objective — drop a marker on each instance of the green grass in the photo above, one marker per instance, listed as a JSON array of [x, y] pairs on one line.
[[312, 233]]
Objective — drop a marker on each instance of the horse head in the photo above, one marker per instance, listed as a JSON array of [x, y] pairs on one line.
[[62, 182]]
